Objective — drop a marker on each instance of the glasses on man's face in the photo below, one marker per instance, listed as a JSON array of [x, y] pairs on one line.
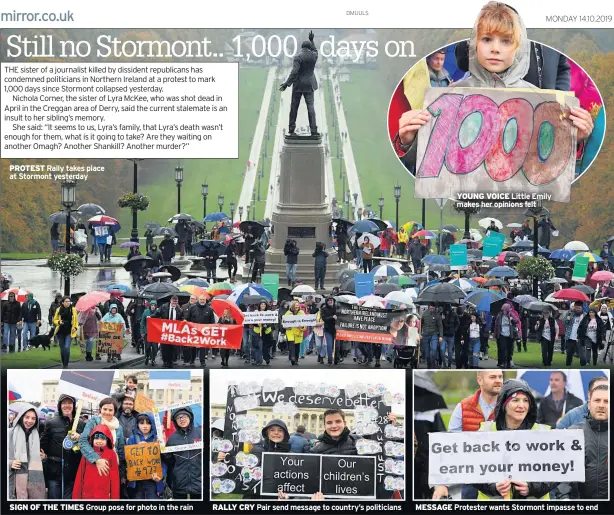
[[183, 417]]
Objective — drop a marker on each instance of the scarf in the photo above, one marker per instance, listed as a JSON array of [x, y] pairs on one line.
[[113, 425], [29, 480]]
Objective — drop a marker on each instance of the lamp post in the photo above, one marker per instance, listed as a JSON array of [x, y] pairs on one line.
[[179, 180], [205, 193], [240, 213], [69, 189], [134, 234], [232, 212], [247, 211], [368, 208], [397, 197], [424, 213], [341, 164], [220, 201], [355, 195], [346, 196], [342, 186], [380, 203], [535, 213]]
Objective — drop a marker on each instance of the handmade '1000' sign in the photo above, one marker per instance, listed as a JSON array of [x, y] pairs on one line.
[[495, 140]]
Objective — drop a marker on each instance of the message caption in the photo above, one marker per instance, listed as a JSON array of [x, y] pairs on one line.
[[56, 110]]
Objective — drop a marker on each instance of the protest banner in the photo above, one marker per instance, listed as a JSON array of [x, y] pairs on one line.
[[492, 246], [490, 457], [260, 317], [143, 404], [91, 385], [298, 320], [180, 332], [270, 282], [458, 256], [111, 338], [363, 285], [143, 460], [302, 475], [579, 269], [479, 140], [169, 380], [361, 324], [240, 427]]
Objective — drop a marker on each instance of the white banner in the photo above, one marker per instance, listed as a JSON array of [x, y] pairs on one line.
[[260, 317], [490, 457], [169, 384], [298, 320]]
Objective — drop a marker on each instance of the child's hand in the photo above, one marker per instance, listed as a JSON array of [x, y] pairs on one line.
[[583, 120], [409, 124], [156, 478]]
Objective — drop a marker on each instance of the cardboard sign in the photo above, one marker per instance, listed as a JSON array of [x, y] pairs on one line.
[[495, 140], [101, 230], [111, 338], [143, 460], [298, 320], [260, 317], [89, 385], [492, 247], [180, 332], [458, 256], [270, 282], [364, 284], [579, 269], [492, 456], [143, 404], [298, 475], [348, 476]]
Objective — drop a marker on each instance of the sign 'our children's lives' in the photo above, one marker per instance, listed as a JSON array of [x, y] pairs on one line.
[[487, 457]]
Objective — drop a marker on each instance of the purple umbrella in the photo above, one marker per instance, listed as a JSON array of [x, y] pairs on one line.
[[128, 244]]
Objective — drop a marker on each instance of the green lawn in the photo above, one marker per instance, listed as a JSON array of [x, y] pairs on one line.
[[23, 255], [224, 176], [366, 101], [446, 418], [268, 160]]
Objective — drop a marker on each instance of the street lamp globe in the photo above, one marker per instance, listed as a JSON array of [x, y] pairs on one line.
[[241, 211], [380, 202], [397, 192], [220, 201], [179, 175], [232, 206], [205, 190], [69, 193], [347, 196]]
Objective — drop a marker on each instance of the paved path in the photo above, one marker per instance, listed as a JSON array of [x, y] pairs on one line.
[[255, 152], [348, 154]]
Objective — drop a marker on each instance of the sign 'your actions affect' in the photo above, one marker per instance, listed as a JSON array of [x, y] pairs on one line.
[[495, 140]]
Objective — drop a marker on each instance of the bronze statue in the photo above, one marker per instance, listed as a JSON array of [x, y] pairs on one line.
[[303, 81]]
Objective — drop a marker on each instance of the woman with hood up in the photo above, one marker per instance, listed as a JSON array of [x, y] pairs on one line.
[[26, 478], [499, 57], [516, 410], [145, 432], [114, 317], [328, 314]]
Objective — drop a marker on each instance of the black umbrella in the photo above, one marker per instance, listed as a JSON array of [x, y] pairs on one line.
[[164, 231], [381, 225], [427, 395], [159, 290], [439, 267], [132, 294], [522, 245], [441, 292], [264, 223], [60, 218], [451, 228], [256, 228], [182, 296], [383, 289], [348, 286], [474, 255], [493, 282], [489, 264], [152, 225], [343, 224], [496, 306], [540, 306], [89, 210], [137, 263], [584, 288], [180, 216], [173, 270], [206, 246], [253, 300], [344, 275], [284, 294]]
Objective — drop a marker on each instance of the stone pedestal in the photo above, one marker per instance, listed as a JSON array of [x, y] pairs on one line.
[[303, 212]]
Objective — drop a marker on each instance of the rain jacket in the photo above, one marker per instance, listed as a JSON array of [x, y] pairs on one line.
[[52, 438], [574, 416], [30, 312], [536, 489], [11, 312], [596, 441], [346, 444], [327, 313], [138, 437], [115, 319], [440, 79], [90, 454], [89, 484], [146, 313], [264, 329], [295, 334], [185, 467], [33, 434], [57, 322]]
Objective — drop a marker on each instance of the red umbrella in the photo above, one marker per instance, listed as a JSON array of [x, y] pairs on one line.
[[221, 305], [602, 275], [92, 299], [570, 295], [103, 219], [20, 295]]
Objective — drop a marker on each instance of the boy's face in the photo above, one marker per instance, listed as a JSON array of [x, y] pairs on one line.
[[496, 52], [145, 427], [100, 442], [130, 383], [436, 62]]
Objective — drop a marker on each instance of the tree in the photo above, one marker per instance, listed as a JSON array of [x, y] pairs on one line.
[[535, 268]]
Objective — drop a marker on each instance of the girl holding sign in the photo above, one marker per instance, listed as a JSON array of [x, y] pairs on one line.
[[114, 317], [144, 432]]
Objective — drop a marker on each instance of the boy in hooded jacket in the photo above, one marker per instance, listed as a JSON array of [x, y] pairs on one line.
[[144, 432], [89, 484]]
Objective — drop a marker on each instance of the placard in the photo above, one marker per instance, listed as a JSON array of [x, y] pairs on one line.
[[110, 338], [364, 284], [458, 256], [492, 247], [260, 317], [297, 475], [270, 282], [88, 385], [101, 230], [360, 324], [143, 404], [492, 456], [348, 476], [180, 332], [298, 321], [580, 268], [143, 460]]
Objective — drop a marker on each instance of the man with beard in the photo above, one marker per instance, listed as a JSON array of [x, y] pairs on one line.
[[61, 464], [558, 402], [596, 442], [127, 416], [199, 313], [170, 311], [470, 413]]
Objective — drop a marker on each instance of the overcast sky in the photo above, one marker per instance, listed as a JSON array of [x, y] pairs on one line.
[[393, 379]]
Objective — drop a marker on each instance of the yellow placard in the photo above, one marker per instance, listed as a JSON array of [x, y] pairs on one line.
[[143, 460]]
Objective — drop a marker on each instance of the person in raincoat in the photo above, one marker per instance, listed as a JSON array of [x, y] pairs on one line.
[[114, 317], [294, 334], [144, 432], [88, 320], [66, 322], [26, 478], [516, 410], [151, 348], [499, 57]]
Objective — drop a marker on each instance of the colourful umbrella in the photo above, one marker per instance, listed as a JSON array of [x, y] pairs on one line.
[[13, 394], [570, 295], [103, 220], [425, 235], [219, 289], [220, 305], [20, 295], [195, 290], [408, 226], [465, 284], [402, 280], [248, 289], [602, 275], [592, 258], [384, 271], [92, 299], [507, 256]]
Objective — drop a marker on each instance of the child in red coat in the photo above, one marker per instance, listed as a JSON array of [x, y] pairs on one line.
[[89, 484]]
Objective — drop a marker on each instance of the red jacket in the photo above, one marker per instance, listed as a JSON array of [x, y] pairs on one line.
[[91, 485], [472, 413]]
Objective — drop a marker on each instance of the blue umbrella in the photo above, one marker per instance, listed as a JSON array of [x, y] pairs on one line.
[[384, 271], [502, 271], [482, 299], [364, 226], [562, 254], [248, 289], [121, 287], [216, 217], [436, 259]]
